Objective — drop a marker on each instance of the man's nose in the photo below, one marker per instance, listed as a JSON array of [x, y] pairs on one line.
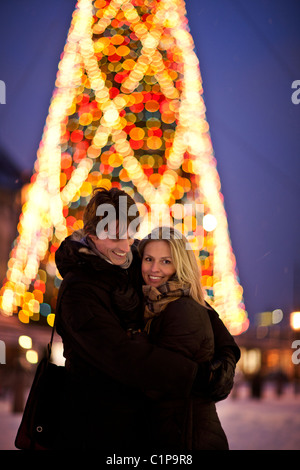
[[124, 244]]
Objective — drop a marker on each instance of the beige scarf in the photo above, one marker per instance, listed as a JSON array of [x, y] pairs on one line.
[[157, 299]]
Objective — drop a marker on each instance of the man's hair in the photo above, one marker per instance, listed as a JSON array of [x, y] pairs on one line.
[[113, 198]]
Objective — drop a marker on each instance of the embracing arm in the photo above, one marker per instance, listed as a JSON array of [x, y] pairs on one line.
[[95, 334], [222, 367], [185, 327]]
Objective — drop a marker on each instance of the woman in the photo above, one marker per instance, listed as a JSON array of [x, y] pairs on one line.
[[176, 318]]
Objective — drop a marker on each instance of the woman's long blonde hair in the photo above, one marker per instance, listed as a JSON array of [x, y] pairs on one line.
[[183, 258]]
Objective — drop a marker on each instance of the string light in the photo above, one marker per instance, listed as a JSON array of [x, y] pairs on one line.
[[127, 90]]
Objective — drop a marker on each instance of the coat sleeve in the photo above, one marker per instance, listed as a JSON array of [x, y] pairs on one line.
[[184, 327], [95, 334]]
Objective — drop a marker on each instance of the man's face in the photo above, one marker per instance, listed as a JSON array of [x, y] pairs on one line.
[[115, 249]]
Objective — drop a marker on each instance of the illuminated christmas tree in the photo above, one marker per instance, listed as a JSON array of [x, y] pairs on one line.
[[128, 112]]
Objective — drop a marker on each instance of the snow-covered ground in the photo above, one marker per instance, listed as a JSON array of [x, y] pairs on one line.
[[270, 423]]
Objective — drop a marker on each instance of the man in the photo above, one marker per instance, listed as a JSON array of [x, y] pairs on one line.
[[112, 373]]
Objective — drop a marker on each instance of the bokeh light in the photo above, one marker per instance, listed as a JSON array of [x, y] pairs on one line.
[[127, 90], [25, 342]]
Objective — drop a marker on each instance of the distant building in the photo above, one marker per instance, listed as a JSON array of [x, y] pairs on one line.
[[11, 182]]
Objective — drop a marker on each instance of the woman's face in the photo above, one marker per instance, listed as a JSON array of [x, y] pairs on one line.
[[157, 263]]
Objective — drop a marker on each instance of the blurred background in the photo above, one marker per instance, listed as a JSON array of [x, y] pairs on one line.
[[249, 60]]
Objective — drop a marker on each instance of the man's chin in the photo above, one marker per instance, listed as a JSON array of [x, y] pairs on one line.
[[117, 260]]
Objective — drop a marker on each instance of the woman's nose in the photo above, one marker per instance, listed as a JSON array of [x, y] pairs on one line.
[[155, 267]]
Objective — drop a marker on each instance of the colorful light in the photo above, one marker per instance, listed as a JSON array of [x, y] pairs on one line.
[[127, 90], [295, 320]]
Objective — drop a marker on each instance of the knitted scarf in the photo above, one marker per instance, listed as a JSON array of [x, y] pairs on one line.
[[157, 299]]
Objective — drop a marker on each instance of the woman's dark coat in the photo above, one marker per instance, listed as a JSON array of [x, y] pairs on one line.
[[187, 423]]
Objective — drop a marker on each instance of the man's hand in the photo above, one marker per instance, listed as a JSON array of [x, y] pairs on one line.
[[215, 378], [222, 378]]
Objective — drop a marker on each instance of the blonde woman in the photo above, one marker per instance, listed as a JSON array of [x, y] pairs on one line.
[[176, 318]]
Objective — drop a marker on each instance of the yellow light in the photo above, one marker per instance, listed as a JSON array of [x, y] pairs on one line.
[[25, 342], [251, 361], [111, 116], [32, 356], [50, 319], [295, 320], [8, 301]]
